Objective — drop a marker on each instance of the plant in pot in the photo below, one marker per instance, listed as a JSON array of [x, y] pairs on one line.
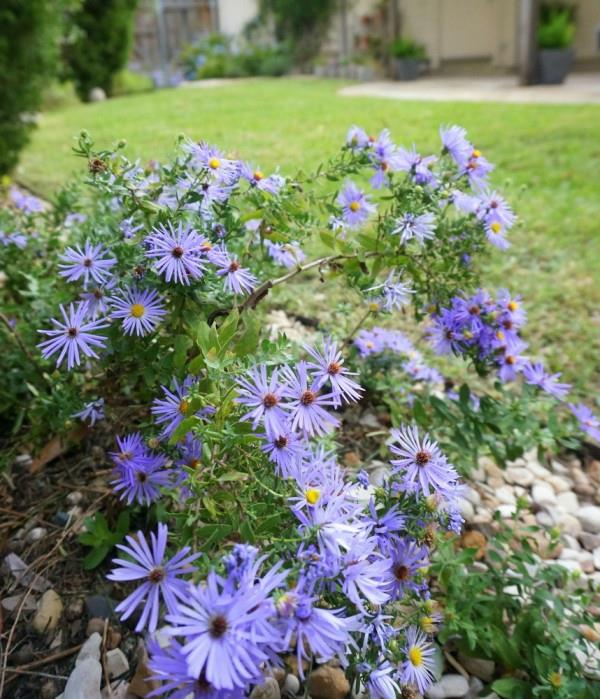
[[408, 57], [555, 37]]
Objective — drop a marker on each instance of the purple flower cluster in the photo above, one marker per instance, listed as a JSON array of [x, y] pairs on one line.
[[483, 328]]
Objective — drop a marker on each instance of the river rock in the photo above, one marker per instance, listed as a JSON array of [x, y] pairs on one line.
[[569, 523], [269, 689], [291, 686], [479, 667], [48, 612], [543, 494], [589, 516], [327, 682], [466, 509], [568, 501], [519, 475], [116, 663], [84, 682], [589, 541], [449, 687]]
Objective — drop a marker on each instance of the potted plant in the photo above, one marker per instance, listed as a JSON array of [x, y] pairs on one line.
[[408, 57], [555, 37]]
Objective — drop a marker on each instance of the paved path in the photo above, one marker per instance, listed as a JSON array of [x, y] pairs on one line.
[[580, 88]]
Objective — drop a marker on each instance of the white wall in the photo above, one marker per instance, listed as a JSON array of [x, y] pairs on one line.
[[235, 14]]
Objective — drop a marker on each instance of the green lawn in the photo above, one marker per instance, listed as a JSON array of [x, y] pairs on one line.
[[547, 158]]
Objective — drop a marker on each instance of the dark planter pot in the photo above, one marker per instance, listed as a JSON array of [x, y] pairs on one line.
[[554, 65], [406, 68]]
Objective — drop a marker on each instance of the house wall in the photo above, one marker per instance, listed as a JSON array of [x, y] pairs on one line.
[[467, 30], [235, 14]]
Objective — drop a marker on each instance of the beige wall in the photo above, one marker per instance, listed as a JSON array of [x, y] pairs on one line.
[[235, 14], [469, 29]]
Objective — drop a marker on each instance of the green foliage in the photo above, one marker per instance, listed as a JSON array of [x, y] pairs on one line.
[[556, 29], [520, 611], [29, 45], [102, 44], [101, 538], [215, 57], [303, 24], [407, 48], [126, 82]]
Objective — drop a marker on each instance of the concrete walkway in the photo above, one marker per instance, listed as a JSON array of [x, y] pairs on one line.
[[579, 88]]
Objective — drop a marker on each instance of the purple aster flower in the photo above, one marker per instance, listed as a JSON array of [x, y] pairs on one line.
[[170, 667], [129, 228], [17, 239], [455, 142], [493, 207], [535, 375], [73, 219], [140, 478], [356, 207], [381, 683], [97, 298], [225, 632], [190, 451], [357, 138], [264, 397], [496, 235], [131, 448], [395, 293], [588, 422], [211, 159], [511, 362], [141, 310], [87, 263], [419, 168], [419, 667], [161, 578], [178, 252], [513, 314], [368, 343], [289, 255], [422, 463], [24, 201], [285, 451], [329, 366], [271, 184], [324, 633], [238, 280], [364, 574], [407, 558], [73, 336], [306, 403], [171, 410], [92, 412], [411, 226], [385, 157], [385, 527], [477, 168]]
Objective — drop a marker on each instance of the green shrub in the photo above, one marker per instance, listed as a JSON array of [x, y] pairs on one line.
[[557, 28], [102, 45], [407, 48], [126, 82], [29, 40]]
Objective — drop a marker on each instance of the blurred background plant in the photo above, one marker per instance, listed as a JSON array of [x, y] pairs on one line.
[[557, 26]]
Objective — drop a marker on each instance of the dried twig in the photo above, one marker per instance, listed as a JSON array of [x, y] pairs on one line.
[[456, 665], [23, 669]]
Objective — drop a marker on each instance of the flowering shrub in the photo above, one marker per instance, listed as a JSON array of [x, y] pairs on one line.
[[146, 300]]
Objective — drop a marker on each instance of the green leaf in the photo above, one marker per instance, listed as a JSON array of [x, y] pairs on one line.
[[95, 557], [510, 688], [248, 342], [227, 330], [181, 345]]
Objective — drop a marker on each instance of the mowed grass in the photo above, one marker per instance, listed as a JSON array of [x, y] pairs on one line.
[[547, 163]]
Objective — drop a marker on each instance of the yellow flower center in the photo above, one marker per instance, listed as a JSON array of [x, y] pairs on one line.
[[354, 206], [500, 335], [496, 227], [312, 496], [415, 656], [137, 310], [512, 305], [476, 153], [184, 406], [369, 344], [214, 163], [555, 679], [258, 175], [373, 306]]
